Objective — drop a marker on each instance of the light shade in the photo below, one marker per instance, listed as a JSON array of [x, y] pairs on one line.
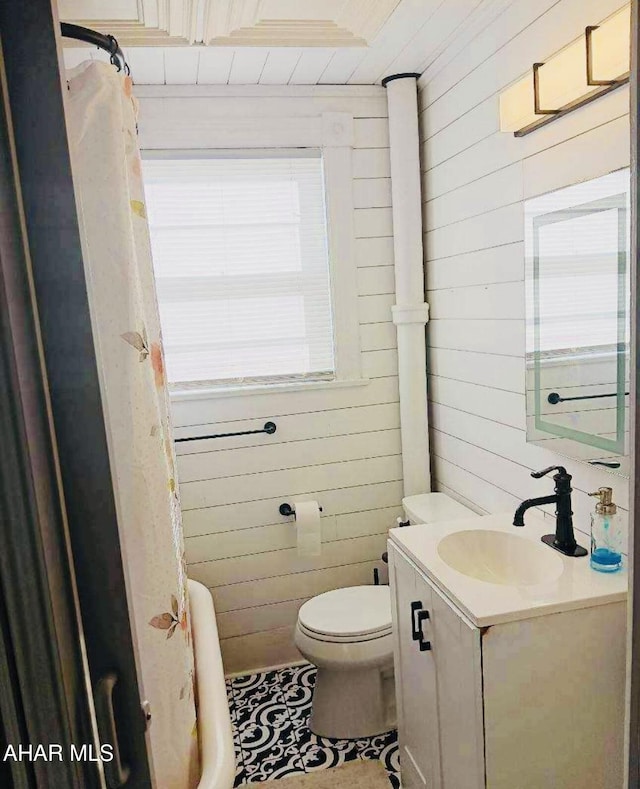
[[562, 79], [242, 271]]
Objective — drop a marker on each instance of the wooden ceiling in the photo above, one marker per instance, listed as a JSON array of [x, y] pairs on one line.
[[275, 42]]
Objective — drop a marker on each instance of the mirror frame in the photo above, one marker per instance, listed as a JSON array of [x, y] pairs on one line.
[[556, 216]]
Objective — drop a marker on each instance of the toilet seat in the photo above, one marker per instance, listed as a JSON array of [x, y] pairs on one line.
[[351, 615], [332, 639]]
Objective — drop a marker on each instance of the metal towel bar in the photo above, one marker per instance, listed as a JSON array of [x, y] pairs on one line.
[[269, 428], [555, 398]]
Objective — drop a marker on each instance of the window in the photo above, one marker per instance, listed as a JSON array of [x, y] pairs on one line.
[[242, 267]]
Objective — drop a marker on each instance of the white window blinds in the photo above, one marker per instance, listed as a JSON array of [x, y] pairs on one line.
[[240, 257]]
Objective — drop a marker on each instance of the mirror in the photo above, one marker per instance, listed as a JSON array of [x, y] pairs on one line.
[[577, 244]]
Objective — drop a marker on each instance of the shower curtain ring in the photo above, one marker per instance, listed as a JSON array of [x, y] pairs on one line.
[[113, 51]]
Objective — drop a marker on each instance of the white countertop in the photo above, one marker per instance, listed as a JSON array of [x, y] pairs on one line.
[[484, 603]]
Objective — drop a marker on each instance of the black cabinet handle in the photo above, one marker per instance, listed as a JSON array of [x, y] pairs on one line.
[[418, 616], [425, 645], [416, 606]]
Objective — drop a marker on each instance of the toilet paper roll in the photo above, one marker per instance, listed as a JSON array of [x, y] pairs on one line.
[[308, 527]]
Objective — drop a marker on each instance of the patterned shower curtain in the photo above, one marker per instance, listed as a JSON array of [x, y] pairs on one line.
[[126, 329]]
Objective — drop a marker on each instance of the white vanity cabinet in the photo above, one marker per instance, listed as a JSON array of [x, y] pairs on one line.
[[436, 658], [526, 704]]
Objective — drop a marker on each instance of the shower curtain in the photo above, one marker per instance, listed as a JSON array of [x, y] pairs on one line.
[[126, 330]]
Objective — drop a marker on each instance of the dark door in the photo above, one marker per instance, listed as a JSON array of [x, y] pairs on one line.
[[43, 677], [60, 564]]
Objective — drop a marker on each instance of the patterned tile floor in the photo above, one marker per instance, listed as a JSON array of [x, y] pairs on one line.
[[270, 712]]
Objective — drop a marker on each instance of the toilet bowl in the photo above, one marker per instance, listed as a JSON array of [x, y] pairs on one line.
[[347, 634]]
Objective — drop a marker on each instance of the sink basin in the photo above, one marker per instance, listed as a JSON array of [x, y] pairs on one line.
[[496, 573], [500, 558]]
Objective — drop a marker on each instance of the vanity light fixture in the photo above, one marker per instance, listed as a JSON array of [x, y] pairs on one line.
[[586, 69]]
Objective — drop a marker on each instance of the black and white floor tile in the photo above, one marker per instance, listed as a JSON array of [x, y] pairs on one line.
[[270, 713]]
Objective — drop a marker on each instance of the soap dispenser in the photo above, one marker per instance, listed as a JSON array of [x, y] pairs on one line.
[[606, 534]]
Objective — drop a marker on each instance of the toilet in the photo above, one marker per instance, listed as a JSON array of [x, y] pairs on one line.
[[347, 634]]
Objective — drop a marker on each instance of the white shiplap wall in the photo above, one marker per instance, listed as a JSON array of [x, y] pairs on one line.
[[474, 181], [338, 445]]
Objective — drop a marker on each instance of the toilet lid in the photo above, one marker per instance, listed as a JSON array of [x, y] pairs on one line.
[[352, 611]]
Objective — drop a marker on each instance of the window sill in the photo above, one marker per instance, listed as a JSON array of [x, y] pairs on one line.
[[181, 395]]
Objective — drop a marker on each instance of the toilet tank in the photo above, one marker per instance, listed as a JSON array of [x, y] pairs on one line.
[[434, 507]]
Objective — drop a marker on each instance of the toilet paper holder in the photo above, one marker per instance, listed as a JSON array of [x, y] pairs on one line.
[[287, 510]]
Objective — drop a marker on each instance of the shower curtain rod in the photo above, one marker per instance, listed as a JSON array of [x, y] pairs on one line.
[[100, 40]]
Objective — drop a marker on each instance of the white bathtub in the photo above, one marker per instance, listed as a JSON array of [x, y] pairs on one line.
[[217, 757]]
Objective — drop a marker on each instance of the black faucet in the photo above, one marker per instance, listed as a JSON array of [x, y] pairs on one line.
[[563, 540]]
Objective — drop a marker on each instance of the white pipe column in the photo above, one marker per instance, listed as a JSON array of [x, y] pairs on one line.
[[410, 313]]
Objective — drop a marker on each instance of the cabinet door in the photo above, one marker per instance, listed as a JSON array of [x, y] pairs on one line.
[[457, 654], [415, 677]]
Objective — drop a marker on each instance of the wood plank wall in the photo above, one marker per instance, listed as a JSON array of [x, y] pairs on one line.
[[474, 181], [338, 445]]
